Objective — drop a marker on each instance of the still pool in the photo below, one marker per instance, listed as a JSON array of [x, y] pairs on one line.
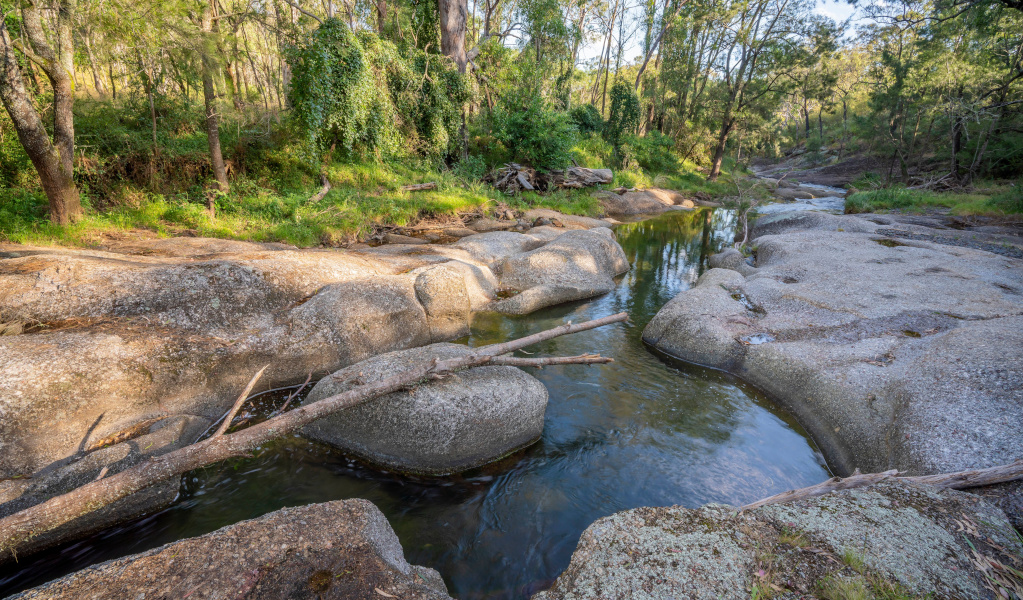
[[643, 431]]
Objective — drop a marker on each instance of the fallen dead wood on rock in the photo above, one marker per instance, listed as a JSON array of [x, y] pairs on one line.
[[956, 481], [22, 526], [513, 178], [419, 187]]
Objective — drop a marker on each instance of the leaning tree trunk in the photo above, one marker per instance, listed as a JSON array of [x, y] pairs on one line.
[[719, 149], [212, 120], [53, 159], [453, 15]]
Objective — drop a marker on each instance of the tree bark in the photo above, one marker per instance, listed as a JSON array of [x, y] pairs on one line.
[[101, 88], [453, 17], [21, 526], [381, 16], [210, 98], [53, 160]]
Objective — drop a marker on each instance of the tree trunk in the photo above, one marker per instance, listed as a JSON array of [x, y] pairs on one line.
[[210, 98], [100, 87], [719, 150], [381, 16], [453, 16], [53, 160]]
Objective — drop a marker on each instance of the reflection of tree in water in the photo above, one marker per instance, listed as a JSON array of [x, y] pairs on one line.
[[668, 254]]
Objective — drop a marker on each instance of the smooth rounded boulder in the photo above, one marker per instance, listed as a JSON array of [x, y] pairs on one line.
[[462, 421]]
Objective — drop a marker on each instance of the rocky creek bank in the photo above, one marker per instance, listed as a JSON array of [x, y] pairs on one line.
[[892, 540], [341, 549], [895, 353], [124, 353]]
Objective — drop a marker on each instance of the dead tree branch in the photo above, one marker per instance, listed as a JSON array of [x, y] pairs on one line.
[[956, 481], [22, 526]]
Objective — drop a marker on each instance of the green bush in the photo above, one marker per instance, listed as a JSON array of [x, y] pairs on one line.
[[623, 117], [654, 152], [471, 168], [587, 118], [360, 94], [1010, 200], [533, 131]]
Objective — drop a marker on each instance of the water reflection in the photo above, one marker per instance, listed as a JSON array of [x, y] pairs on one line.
[[641, 431]]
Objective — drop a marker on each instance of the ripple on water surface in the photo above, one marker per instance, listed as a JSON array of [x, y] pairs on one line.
[[642, 431]]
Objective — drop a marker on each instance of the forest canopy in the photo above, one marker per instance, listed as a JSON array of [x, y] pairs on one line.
[[211, 103]]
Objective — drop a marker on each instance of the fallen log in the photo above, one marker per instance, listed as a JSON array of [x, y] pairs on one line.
[[956, 481], [320, 195], [419, 187], [22, 526]]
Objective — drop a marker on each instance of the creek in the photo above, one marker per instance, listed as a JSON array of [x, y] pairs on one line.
[[645, 430]]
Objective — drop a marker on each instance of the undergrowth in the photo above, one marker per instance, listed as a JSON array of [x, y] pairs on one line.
[[982, 201]]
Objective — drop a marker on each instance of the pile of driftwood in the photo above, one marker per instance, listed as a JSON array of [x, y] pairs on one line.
[[513, 178]]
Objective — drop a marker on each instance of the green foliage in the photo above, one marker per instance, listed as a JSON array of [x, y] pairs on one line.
[[654, 152], [361, 95], [587, 118], [335, 96], [471, 168], [623, 117], [1011, 200], [534, 132], [902, 199]]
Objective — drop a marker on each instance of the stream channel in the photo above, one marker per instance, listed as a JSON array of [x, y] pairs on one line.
[[645, 430]]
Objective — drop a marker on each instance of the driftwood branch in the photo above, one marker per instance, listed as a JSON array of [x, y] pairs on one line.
[[239, 403], [956, 481], [419, 187], [22, 526], [583, 359]]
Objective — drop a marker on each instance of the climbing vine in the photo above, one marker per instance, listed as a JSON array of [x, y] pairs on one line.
[[359, 94]]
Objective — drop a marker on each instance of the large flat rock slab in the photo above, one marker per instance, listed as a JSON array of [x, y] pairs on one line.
[[894, 353], [335, 550], [893, 540]]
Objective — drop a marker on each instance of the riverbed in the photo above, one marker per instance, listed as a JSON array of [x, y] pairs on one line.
[[644, 431]]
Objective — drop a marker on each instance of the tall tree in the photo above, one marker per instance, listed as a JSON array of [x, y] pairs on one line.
[[52, 159], [453, 18]]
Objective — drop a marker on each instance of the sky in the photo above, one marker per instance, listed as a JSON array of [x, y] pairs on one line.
[[839, 10]]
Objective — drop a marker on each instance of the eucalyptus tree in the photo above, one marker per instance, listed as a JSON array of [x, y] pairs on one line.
[[53, 52], [760, 50]]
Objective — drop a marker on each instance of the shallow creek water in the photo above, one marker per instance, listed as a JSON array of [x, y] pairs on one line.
[[644, 431]]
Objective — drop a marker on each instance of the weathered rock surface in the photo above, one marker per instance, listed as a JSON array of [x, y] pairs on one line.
[[576, 265], [893, 540], [115, 339], [893, 353], [462, 421], [569, 221], [649, 201], [335, 550]]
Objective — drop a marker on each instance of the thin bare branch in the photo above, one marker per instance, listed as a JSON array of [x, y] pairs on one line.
[[239, 403], [956, 481]]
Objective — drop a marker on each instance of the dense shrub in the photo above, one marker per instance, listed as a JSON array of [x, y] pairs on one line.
[[653, 152], [587, 118], [533, 131], [359, 94], [623, 117]]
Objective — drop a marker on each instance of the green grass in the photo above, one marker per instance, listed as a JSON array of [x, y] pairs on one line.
[[988, 201], [364, 195], [126, 186]]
